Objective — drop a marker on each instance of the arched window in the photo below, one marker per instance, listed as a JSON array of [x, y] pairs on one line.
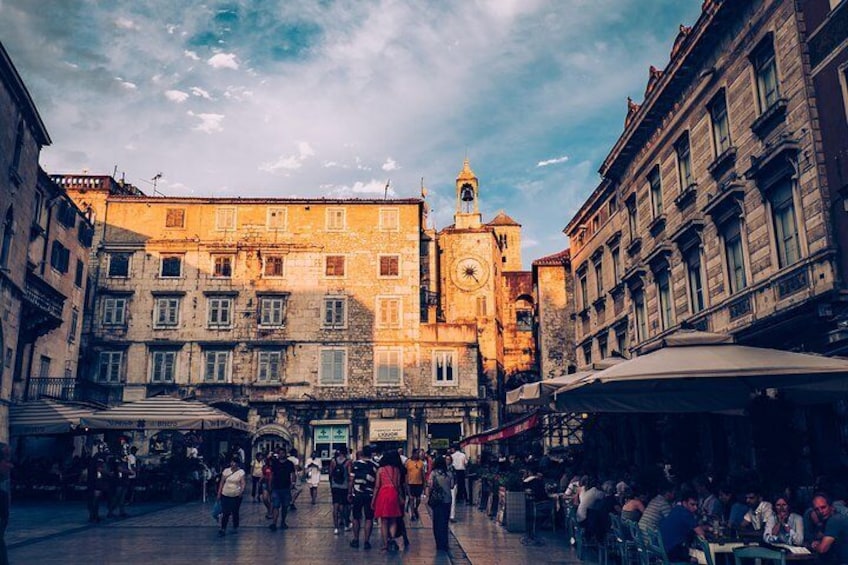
[[8, 233], [524, 314]]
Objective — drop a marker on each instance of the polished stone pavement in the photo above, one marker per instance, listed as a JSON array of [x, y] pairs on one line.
[[46, 533]]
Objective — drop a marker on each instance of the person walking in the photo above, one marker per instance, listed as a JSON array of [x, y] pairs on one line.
[[460, 464], [439, 487], [414, 483], [230, 489], [339, 487], [283, 476], [313, 475], [363, 478], [388, 498], [256, 477], [296, 490]]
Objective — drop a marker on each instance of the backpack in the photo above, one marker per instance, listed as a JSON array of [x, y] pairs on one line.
[[339, 474], [437, 493]]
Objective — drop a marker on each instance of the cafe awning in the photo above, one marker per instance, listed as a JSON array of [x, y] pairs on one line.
[[163, 413], [691, 371], [506, 431], [45, 417], [541, 393]]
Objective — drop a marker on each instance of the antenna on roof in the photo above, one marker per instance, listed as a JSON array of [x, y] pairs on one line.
[[155, 180], [386, 190]]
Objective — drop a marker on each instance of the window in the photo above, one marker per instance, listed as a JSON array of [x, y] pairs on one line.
[[656, 192], [444, 363], [44, 367], [225, 218], [85, 234], [8, 234], [641, 315], [524, 319], [684, 162], [72, 330], [766, 71], [664, 293], [269, 367], [390, 266], [163, 366], [277, 218], [632, 223], [334, 266], [721, 125], [66, 214], [60, 256], [389, 219], [615, 255], [388, 312], [274, 266], [333, 367], [219, 313], [482, 307], [119, 265], [109, 366], [584, 290], [166, 312], [216, 366], [114, 308], [175, 217], [785, 223], [693, 278], [621, 340], [602, 347], [587, 353], [80, 272], [387, 366], [613, 205], [599, 277], [222, 266], [19, 147], [272, 310], [734, 255], [335, 219], [335, 312], [171, 266], [37, 207]]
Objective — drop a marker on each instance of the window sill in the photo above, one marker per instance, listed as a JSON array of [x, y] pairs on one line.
[[770, 118], [599, 303], [446, 384], [722, 162], [166, 328], [584, 313], [271, 327], [657, 225], [268, 384], [686, 196], [634, 246]]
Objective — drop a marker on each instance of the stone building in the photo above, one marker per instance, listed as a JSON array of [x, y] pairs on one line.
[[554, 291], [714, 209], [330, 322], [43, 255]]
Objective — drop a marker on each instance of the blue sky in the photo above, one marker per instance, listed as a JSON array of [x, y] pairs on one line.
[[334, 98]]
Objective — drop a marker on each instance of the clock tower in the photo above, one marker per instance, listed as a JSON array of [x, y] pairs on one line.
[[467, 199]]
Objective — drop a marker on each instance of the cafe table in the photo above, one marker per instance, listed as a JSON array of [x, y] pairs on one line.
[[725, 548]]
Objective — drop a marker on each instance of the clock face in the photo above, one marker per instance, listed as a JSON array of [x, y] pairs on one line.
[[470, 273]]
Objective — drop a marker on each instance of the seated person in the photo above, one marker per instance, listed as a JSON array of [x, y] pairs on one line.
[[759, 510], [784, 526], [709, 506], [633, 506], [733, 511], [590, 496], [679, 527], [833, 545], [658, 508]]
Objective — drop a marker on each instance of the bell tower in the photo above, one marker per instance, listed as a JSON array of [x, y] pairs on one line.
[[467, 199]]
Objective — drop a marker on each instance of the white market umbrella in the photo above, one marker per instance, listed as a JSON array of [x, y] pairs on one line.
[[541, 393], [691, 371], [163, 413], [45, 417]]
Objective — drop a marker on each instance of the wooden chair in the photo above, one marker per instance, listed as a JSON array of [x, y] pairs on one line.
[[639, 548], [756, 552]]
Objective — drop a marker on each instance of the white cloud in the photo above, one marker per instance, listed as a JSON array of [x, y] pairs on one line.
[[126, 84], [238, 93], [374, 186], [191, 55], [209, 123], [177, 96], [125, 23], [554, 161], [223, 61], [390, 165], [197, 91], [289, 162]]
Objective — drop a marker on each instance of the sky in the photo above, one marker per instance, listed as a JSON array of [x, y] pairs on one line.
[[338, 98]]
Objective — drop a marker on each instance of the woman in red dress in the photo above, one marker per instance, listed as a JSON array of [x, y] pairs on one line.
[[388, 498]]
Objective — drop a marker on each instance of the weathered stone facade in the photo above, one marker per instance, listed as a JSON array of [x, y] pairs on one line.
[[554, 314], [714, 210], [326, 318]]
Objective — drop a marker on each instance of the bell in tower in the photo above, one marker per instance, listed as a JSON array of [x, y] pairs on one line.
[[467, 198]]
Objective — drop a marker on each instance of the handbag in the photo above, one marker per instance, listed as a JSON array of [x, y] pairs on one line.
[[216, 510]]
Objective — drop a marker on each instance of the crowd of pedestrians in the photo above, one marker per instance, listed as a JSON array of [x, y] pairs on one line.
[[367, 489]]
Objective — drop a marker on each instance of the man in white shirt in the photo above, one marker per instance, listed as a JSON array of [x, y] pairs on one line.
[[760, 511], [295, 485], [460, 464]]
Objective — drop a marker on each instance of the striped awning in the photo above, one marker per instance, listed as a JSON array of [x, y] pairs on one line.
[[163, 413], [45, 417]]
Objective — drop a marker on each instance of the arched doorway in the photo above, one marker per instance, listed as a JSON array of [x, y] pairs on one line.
[[270, 437]]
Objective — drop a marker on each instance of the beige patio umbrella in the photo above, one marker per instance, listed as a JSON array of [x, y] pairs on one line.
[[541, 393], [691, 371]]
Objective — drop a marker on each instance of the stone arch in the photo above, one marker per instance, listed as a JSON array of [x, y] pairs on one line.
[[270, 436]]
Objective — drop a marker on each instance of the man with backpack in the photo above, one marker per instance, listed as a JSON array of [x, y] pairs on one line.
[[363, 477], [339, 488]]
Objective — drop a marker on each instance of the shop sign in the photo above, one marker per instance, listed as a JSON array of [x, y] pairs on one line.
[[387, 430], [331, 434]]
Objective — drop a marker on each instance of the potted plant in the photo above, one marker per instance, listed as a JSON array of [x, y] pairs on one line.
[[511, 501]]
